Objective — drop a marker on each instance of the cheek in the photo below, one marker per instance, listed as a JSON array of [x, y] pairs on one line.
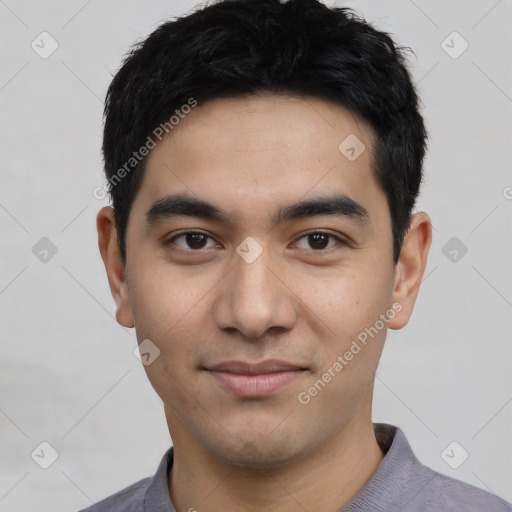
[[163, 298], [346, 301], [169, 311], [169, 316], [352, 341]]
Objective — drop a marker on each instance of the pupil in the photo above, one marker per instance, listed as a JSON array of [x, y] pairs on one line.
[[317, 238], [194, 238]]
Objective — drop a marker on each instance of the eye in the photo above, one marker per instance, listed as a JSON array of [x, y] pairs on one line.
[[194, 240], [318, 240]]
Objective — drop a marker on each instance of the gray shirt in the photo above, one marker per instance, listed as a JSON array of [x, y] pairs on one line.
[[400, 484]]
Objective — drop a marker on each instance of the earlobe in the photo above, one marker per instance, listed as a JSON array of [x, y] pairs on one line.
[[410, 267], [111, 255]]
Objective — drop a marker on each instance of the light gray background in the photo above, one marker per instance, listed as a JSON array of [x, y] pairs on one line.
[[68, 374]]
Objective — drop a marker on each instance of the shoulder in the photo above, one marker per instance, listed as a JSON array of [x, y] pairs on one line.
[[403, 483], [129, 499], [450, 494]]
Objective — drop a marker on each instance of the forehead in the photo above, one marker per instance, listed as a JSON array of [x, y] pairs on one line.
[[262, 150]]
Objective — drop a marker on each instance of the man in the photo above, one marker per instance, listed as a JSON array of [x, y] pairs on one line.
[[263, 160]]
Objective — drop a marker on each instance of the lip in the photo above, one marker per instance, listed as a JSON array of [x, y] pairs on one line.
[[243, 368], [254, 380]]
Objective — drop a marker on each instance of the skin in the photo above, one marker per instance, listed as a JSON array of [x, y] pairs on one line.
[[296, 302]]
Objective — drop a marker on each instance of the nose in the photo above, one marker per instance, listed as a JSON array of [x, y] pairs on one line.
[[254, 297]]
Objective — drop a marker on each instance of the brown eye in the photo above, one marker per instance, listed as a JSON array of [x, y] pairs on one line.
[[193, 240], [319, 240]]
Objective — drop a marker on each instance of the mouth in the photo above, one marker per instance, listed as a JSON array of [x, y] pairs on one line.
[[254, 380]]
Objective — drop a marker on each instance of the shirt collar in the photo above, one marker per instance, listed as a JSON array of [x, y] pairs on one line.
[[386, 490]]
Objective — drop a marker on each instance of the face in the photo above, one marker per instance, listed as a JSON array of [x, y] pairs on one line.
[[254, 278]]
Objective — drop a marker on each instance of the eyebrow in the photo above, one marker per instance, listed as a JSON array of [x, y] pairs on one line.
[[176, 205]]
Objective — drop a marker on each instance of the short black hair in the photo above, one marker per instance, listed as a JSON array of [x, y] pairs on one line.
[[237, 48]]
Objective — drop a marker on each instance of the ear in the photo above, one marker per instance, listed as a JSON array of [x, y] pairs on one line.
[[410, 267], [111, 255]]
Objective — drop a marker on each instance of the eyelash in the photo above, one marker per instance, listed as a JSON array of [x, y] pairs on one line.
[[183, 233]]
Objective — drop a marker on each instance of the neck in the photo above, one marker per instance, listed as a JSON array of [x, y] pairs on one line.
[[327, 479]]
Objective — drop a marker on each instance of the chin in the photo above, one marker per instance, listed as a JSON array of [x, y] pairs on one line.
[[263, 453]]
